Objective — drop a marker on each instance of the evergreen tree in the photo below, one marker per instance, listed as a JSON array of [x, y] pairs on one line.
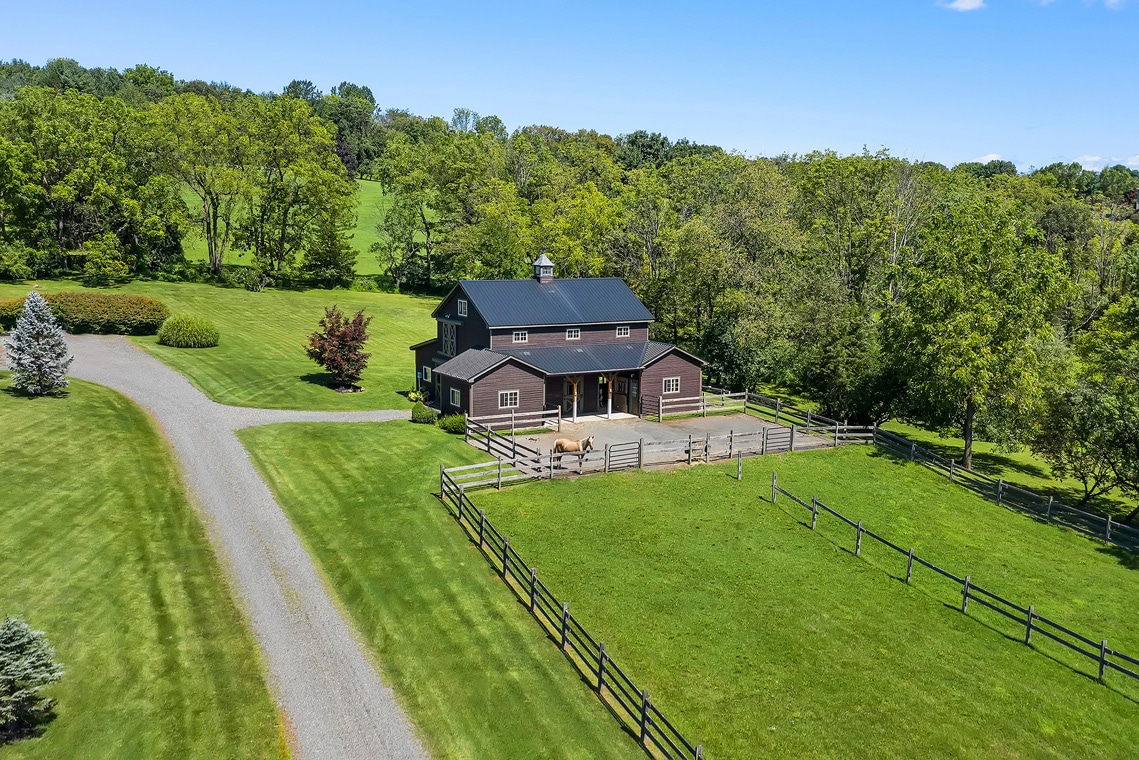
[[37, 353], [27, 664]]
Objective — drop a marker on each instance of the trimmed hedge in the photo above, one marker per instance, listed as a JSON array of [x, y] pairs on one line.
[[188, 331], [454, 423], [422, 414], [117, 313]]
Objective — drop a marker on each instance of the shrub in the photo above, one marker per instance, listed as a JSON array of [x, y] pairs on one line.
[[27, 664], [423, 415], [454, 423], [339, 345], [117, 313], [188, 331], [415, 396]]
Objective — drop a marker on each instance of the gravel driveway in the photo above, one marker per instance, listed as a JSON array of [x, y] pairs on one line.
[[318, 670]]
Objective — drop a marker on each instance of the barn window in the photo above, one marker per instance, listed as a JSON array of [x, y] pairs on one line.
[[507, 399], [521, 336], [462, 307], [426, 374], [623, 331], [456, 397], [672, 385], [573, 333], [448, 339]]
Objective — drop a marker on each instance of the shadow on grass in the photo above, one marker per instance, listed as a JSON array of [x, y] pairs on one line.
[[28, 729], [1126, 557], [13, 393]]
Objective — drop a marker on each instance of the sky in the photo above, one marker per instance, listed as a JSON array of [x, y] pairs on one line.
[[1030, 81]]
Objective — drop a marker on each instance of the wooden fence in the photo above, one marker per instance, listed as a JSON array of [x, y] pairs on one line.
[[496, 443], [1098, 651], [630, 704], [1043, 507], [514, 421]]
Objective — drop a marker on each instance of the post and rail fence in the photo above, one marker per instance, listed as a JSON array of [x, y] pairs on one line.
[[1032, 621], [630, 704]]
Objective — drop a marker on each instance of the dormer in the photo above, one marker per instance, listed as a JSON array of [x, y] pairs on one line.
[[544, 270]]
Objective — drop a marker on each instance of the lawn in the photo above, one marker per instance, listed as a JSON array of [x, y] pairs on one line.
[[261, 360], [760, 638], [464, 658], [105, 554], [371, 203]]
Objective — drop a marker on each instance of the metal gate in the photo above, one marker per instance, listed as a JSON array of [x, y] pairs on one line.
[[624, 456]]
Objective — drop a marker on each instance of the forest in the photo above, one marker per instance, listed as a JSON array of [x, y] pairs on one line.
[[975, 298]]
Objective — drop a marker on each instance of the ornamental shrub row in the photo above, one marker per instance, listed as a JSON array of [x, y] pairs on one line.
[[117, 313], [188, 331], [422, 414], [454, 423]]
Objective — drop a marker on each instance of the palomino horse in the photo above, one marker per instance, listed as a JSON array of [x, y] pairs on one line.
[[564, 446]]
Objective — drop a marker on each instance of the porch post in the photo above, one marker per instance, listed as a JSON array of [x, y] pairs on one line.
[[609, 394]]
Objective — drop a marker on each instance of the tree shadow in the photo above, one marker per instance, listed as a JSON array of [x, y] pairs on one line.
[[13, 393], [1126, 557], [27, 729]]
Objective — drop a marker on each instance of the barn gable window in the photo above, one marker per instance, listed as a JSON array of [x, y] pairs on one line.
[[573, 333], [426, 374], [672, 385], [456, 397], [449, 333], [507, 399], [521, 336], [623, 331], [462, 307]]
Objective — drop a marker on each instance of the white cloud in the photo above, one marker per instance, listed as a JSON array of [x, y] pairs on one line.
[[1133, 162], [1115, 4], [1091, 161], [988, 157], [974, 5]]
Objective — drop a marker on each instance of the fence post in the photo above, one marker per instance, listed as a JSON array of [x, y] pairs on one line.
[[792, 436], [607, 457], [858, 541], [644, 713], [488, 439], [814, 511], [467, 430], [774, 485], [1000, 490], [965, 595], [874, 433], [533, 587], [910, 566], [600, 667], [499, 486], [763, 442], [689, 448], [513, 446], [731, 444], [641, 454], [808, 420], [952, 469], [699, 752], [1107, 532], [440, 481], [836, 434], [913, 451], [707, 448], [505, 555], [512, 428], [740, 466], [1028, 630], [565, 623], [778, 406], [1102, 659], [1048, 514], [482, 527], [559, 418]]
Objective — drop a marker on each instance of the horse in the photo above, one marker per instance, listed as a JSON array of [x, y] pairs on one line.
[[564, 446]]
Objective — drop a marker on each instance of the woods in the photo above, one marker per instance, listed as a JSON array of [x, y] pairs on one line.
[[972, 299]]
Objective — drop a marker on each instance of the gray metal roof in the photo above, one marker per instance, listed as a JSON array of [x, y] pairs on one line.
[[589, 358], [574, 301], [543, 261], [470, 364]]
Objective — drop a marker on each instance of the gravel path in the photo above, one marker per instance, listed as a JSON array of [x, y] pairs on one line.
[[319, 673]]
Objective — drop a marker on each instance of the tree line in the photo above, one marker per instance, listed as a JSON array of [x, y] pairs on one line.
[[972, 298]]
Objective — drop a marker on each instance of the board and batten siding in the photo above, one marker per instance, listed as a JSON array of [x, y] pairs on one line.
[[531, 387], [471, 331], [673, 365], [541, 337], [425, 357], [445, 405]]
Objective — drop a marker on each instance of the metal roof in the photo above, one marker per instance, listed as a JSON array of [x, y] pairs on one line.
[[589, 358], [470, 364], [574, 301]]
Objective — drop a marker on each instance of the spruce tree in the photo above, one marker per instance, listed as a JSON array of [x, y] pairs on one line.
[[27, 664], [37, 353]]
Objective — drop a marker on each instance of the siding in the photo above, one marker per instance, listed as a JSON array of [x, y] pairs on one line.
[[445, 404], [672, 365], [531, 387], [472, 331], [540, 337], [424, 358]]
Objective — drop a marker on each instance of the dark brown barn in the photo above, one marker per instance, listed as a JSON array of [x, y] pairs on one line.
[[543, 343]]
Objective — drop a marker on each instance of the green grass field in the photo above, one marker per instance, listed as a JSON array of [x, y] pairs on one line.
[[261, 361], [371, 203], [468, 663], [105, 554], [760, 638]]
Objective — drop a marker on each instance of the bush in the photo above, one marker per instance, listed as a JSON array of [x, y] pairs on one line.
[[104, 263], [415, 396], [423, 415], [116, 313], [339, 346], [454, 423], [188, 331]]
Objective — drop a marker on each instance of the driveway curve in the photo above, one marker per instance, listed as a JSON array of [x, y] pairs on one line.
[[333, 699]]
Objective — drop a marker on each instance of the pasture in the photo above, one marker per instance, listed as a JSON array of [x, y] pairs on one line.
[[759, 637], [261, 362], [105, 554], [466, 662]]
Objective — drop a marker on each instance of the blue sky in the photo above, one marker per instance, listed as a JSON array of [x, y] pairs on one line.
[[957, 80]]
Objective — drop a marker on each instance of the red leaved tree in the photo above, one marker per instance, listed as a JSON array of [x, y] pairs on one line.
[[338, 346]]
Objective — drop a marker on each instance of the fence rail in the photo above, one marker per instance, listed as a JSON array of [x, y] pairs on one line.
[[609, 681], [1027, 617], [514, 421]]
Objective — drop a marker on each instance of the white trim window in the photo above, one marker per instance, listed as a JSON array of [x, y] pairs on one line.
[[461, 307], [573, 333], [623, 331], [521, 336], [456, 398], [507, 399], [671, 385], [426, 374], [449, 339]]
